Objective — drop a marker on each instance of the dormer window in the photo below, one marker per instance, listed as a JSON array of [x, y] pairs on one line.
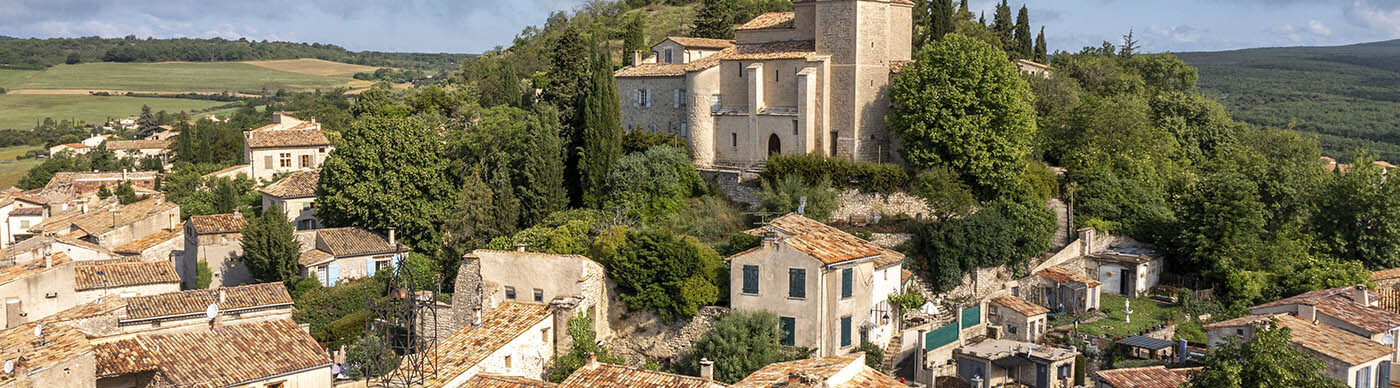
[[668, 56]]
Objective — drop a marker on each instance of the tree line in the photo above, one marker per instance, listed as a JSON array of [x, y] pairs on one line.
[[37, 54]]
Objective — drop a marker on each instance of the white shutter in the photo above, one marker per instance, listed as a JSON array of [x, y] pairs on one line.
[[675, 98], [646, 98], [636, 98]]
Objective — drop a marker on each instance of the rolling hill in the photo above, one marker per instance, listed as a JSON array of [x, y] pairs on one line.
[[1347, 95]]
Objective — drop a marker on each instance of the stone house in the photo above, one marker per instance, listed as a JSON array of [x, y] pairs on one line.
[[657, 93], [64, 359], [1067, 290], [335, 254], [260, 354], [849, 371], [140, 149], [37, 289], [1033, 68], [295, 194], [1022, 320], [1386, 279], [1354, 360], [115, 224], [17, 215], [813, 80], [1144, 377], [489, 278], [36, 248], [166, 245], [1127, 269], [215, 239], [288, 144], [515, 339], [93, 280], [71, 148], [820, 281], [1351, 309], [1000, 362], [70, 190], [595, 374]]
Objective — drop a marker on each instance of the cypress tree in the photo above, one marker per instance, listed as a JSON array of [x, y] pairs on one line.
[[923, 15], [982, 18], [943, 23], [1002, 26], [633, 38], [1023, 34], [602, 136], [712, 20], [568, 77], [1040, 46], [962, 6]]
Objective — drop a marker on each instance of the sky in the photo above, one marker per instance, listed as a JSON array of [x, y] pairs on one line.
[[472, 26]]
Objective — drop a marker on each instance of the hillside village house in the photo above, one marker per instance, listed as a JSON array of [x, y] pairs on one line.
[[1144, 377], [140, 149], [1354, 360], [63, 360], [37, 247], [829, 288], [1128, 269], [516, 339], [267, 354], [490, 278], [288, 144], [114, 225], [17, 214], [215, 239], [1347, 308], [1022, 320], [167, 244], [1000, 362], [848, 371], [295, 194], [332, 255], [93, 280], [69, 190], [1067, 290], [813, 80], [37, 289], [595, 374]]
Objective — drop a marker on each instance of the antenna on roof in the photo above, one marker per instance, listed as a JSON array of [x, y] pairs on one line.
[[212, 311], [9, 366], [802, 205]]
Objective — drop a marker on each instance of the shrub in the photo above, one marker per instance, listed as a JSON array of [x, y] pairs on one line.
[[357, 358], [653, 184], [843, 173], [945, 192], [874, 356], [739, 242], [319, 307], [660, 272], [202, 275], [347, 329], [640, 141], [585, 343], [304, 286], [740, 343], [785, 196], [907, 300], [709, 218]]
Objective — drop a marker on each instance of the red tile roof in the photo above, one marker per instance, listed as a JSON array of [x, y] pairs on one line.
[[464, 349], [1019, 305], [1146, 377], [125, 357], [20, 271], [701, 42], [651, 70], [139, 246], [825, 243], [218, 223], [1378, 275], [278, 138], [196, 301], [116, 275], [1338, 303], [19, 345], [769, 20], [1066, 275], [299, 184], [353, 241], [234, 354], [137, 144], [818, 372], [601, 375], [1317, 338], [792, 49], [494, 381]]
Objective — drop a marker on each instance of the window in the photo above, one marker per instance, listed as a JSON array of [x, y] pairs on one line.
[[284, 159], [507, 362], [651, 128], [1062, 372], [684, 131], [668, 56], [278, 384], [845, 331], [847, 280], [794, 127], [833, 142], [714, 102], [776, 72], [305, 161], [684, 98], [544, 335], [734, 138], [267, 161], [381, 264], [510, 293], [1011, 329], [741, 69], [308, 206], [1363, 377], [797, 283], [303, 224], [751, 279], [539, 295], [321, 150], [1239, 332], [789, 328], [24, 224]]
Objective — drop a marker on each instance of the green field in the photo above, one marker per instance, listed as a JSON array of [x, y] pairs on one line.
[[22, 111], [172, 77], [10, 77], [12, 170]]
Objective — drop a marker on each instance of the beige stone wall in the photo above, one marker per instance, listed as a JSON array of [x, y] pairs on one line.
[[556, 276], [529, 354], [773, 261], [298, 210], [266, 162], [141, 290], [165, 250], [664, 114], [76, 372], [147, 226], [312, 378], [702, 86], [221, 253], [33, 294]]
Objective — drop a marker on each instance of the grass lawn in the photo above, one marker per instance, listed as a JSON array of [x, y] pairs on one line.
[[10, 77], [12, 170], [1146, 314], [174, 77], [22, 111], [314, 67]]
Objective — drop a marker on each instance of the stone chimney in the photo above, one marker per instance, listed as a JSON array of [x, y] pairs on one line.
[[223, 296], [237, 214], [520, 247], [1307, 312], [467, 301], [85, 207], [592, 361], [563, 309], [392, 242], [707, 369], [1360, 295], [48, 261], [636, 57], [794, 379]]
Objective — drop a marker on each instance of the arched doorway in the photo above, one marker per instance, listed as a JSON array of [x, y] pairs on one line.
[[774, 145]]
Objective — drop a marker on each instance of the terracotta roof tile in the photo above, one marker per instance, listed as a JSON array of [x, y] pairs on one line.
[[464, 349], [115, 275], [277, 138], [1317, 338], [601, 375], [1338, 303], [27, 212], [825, 243], [218, 223], [137, 144], [1066, 275], [651, 70], [196, 301], [107, 304], [701, 42], [20, 271], [232, 354], [60, 343], [1146, 377], [138, 246], [818, 372], [770, 20], [104, 219], [1388, 300], [299, 184], [1022, 306], [1384, 274], [792, 49], [125, 356], [313, 257], [494, 381], [898, 66], [352, 241]]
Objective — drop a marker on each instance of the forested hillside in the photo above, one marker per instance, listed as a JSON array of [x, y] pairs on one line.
[[1345, 94], [42, 53]]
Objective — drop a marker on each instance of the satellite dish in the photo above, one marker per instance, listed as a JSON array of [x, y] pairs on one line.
[[39, 330], [212, 311], [9, 366]]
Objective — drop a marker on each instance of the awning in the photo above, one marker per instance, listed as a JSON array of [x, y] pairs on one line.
[[1148, 343]]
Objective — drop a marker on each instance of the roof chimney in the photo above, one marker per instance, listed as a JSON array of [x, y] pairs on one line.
[[794, 379], [520, 247], [223, 296], [48, 261], [1360, 296], [392, 242], [707, 369], [85, 207], [237, 214], [592, 360], [636, 57]]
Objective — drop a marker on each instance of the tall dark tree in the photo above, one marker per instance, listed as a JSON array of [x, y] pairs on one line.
[[982, 18], [270, 247], [1022, 34], [146, 124], [633, 38], [522, 159], [932, 20], [476, 219], [1004, 27], [1040, 55], [568, 76], [962, 6], [602, 133], [713, 20], [1130, 45]]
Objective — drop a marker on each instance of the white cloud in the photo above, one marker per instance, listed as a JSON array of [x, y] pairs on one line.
[[1317, 28], [1377, 15]]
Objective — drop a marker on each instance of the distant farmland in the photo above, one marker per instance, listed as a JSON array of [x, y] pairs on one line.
[[176, 77], [21, 111]]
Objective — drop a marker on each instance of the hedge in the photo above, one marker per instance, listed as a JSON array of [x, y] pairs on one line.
[[843, 173]]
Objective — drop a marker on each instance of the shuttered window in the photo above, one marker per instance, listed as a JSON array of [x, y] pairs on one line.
[[845, 331], [797, 283], [751, 279], [789, 328], [847, 278]]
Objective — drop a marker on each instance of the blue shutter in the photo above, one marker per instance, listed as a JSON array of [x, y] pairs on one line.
[[750, 279], [789, 328], [847, 276], [845, 331], [369, 267], [1383, 375], [332, 274], [797, 283]]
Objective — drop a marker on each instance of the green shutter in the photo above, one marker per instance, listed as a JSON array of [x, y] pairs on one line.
[[847, 278], [845, 331], [797, 283], [750, 279], [972, 316], [941, 336], [789, 327]]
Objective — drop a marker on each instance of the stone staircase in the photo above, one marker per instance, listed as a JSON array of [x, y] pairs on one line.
[[892, 351]]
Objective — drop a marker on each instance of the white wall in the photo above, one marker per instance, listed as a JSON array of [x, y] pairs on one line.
[[529, 353]]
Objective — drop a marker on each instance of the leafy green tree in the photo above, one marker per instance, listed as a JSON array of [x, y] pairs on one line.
[[786, 194], [1265, 361], [712, 20], [1358, 216], [584, 345], [980, 123], [601, 142], [202, 275], [660, 272], [653, 184], [945, 192], [1022, 35], [1003, 232], [476, 219], [740, 343], [521, 157], [270, 248], [73, 59], [388, 172]]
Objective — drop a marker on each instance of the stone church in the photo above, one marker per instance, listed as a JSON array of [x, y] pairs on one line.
[[814, 80]]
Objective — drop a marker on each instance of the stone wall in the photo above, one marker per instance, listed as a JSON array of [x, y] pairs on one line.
[[643, 337], [741, 187], [663, 115], [857, 204]]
